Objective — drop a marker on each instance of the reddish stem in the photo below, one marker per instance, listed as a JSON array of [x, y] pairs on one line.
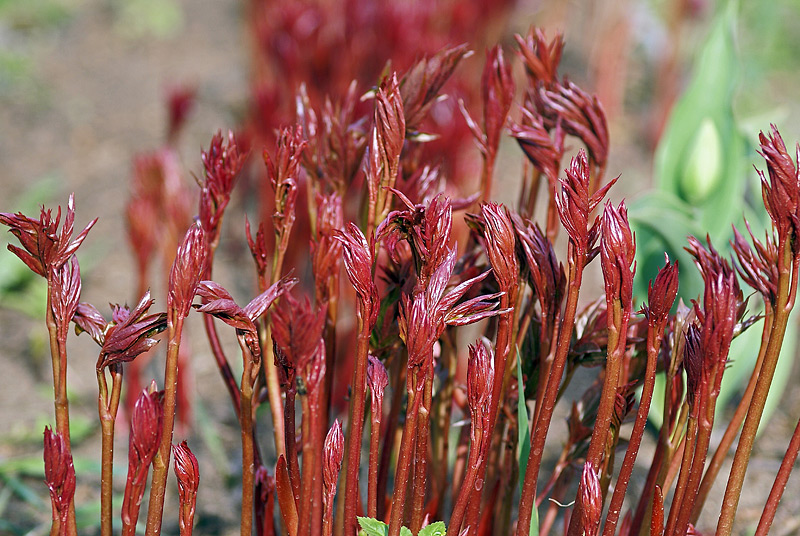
[[356, 425], [420, 486], [405, 457], [542, 425], [291, 442], [161, 461], [653, 344], [778, 487], [372, 480], [725, 443], [787, 289], [222, 361]]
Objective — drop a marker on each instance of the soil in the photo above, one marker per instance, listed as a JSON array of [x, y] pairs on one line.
[[79, 96]]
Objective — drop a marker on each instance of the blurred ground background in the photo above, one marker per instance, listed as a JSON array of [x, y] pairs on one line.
[[82, 85]]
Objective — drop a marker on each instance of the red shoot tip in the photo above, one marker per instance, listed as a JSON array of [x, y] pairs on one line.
[[59, 473], [591, 500], [187, 270], [45, 247]]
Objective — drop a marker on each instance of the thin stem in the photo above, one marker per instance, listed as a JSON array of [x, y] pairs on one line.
[[509, 477], [330, 345], [778, 487], [683, 477], [107, 408], [420, 487], [617, 499], [58, 354], [443, 410], [599, 444], [705, 426], [404, 458], [356, 428], [248, 456], [309, 456], [787, 288], [222, 361], [318, 433], [273, 389], [161, 460], [735, 423], [542, 424], [291, 442], [465, 492], [372, 479], [399, 375], [486, 175]]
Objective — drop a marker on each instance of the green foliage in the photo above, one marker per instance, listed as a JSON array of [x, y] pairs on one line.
[[373, 527], [434, 529], [704, 184], [33, 14], [524, 441], [149, 18], [701, 166]]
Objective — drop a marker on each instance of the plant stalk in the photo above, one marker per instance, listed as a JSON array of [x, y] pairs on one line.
[[405, 455], [249, 373], [161, 461], [356, 427], [787, 289], [542, 425], [617, 499], [725, 443], [107, 408], [778, 487]]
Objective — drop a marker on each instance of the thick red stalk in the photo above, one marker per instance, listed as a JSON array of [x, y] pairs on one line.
[[356, 427], [542, 424], [420, 480], [778, 487], [787, 289], [725, 443], [249, 373], [405, 456], [161, 461], [615, 507], [372, 479], [617, 340]]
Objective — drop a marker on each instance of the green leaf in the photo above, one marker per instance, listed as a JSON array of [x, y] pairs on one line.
[[524, 441], [647, 214], [707, 107], [523, 425], [434, 529], [404, 531], [373, 527]]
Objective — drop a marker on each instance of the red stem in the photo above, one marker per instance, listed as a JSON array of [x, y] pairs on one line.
[[161, 461], [654, 337], [374, 445], [787, 289], [420, 486], [725, 443], [356, 428], [778, 487], [291, 442], [222, 361], [405, 457], [542, 425]]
